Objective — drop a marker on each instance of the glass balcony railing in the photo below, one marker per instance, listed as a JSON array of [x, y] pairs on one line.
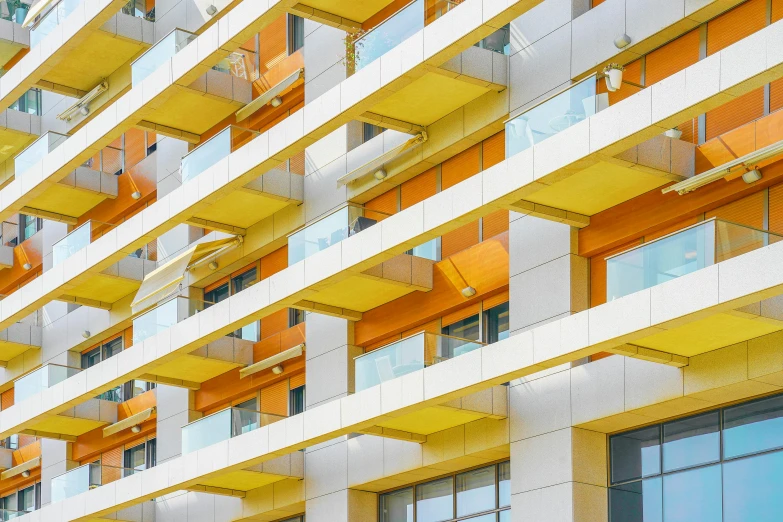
[[36, 151], [84, 478], [159, 53], [407, 356], [213, 150], [330, 230], [10, 514], [680, 253], [47, 22], [223, 425], [389, 34], [78, 239], [41, 379], [164, 316], [554, 115]]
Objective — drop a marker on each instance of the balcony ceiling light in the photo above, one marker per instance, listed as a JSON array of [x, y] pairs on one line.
[[377, 164], [268, 96], [82, 106]]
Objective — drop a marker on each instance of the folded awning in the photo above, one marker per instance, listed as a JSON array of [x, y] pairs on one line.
[[163, 281], [269, 362], [36, 8], [128, 422], [266, 97], [378, 162], [21, 468]]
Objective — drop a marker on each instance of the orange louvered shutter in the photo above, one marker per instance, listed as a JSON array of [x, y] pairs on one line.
[[274, 262], [494, 224], [7, 399], [418, 189], [274, 323], [111, 464], [776, 208], [735, 113], [776, 95], [732, 26], [135, 149], [672, 57], [495, 300], [493, 150], [274, 398], [746, 211], [596, 3], [297, 380], [670, 229], [459, 315], [690, 131], [458, 240], [297, 164], [385, 204], [273, 44], [460, 167], [777, 10]]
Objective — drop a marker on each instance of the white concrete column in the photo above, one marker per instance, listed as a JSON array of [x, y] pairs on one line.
[[55, 460]]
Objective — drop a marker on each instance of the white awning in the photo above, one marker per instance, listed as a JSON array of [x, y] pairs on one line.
[[269, 362], [266, 97], [378, 162], [163, 281], [21, 468], [36, 8], [129, 422]]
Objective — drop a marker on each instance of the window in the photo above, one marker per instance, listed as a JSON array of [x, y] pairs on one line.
[[369, 131], [244, 280], [217, 294], [499, 41], [295, 33], [11, 442], [139, 457], [29, 102], [135, 388], [477, 495], [296, 400], [28, 226], [722, 466], [295, 317], [496, 323], [101, 353], [29, 498]]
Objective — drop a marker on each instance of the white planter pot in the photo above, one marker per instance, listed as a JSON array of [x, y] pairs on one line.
[[614, 79]]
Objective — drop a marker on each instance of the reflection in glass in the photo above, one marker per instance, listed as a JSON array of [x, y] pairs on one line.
[[504, 516], [690, 442], [435, 501], [397, 506], [476, 491], [636, 454], [753, 427], [752, 489], [504, 484], [693, 496], [399, 27], [639, 501], [160, 53]]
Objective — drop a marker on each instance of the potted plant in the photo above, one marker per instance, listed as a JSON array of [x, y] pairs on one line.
[[613, 74], [353, 49]]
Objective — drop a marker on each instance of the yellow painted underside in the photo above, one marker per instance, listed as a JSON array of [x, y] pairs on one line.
[[242, 209], [93, 60], [428, 99], [361, 294], [192, 368], [597, 188], [8, 50], [708, 334], [68, 425], [106, 288], [356, 10], [431, 420], [67, 200], [192, 111], [10, 350], [243, 480], [12, 142]]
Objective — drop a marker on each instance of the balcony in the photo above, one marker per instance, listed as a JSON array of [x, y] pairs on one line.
[[255, 201], [681, 253], [405, 23], [222, 426], [36, 151], [42, 379], [20, 337], [407, 356], [18, 129], [13, 37], [195, 108], [213, 359], [84, 478], [358, 293]]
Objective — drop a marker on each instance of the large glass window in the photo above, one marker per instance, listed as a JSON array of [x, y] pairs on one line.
[[236, 284], [296, 400], [477, 495], [496, 323], [295, 33], [721, 466], [28, 226], [101, 353]]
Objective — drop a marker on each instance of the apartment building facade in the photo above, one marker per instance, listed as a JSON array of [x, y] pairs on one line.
[[391, 260]]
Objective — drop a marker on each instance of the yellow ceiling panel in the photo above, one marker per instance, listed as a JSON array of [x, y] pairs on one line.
[[8, 50], [192, 368], [243, 480], [69, 201], [428, 99], [431, 420], [12, 142], [106, 288], [708, 334], [360, 293], [93, 60], [10, 350], [357, 10], [192, 111], [67, 425], [597, 188], [242, 209]]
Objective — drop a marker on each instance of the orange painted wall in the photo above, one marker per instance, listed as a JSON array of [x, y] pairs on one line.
[[146, 400], [91, 445], [278, 342]]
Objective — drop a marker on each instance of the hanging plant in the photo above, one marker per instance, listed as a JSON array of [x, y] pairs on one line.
[[353, 47]]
